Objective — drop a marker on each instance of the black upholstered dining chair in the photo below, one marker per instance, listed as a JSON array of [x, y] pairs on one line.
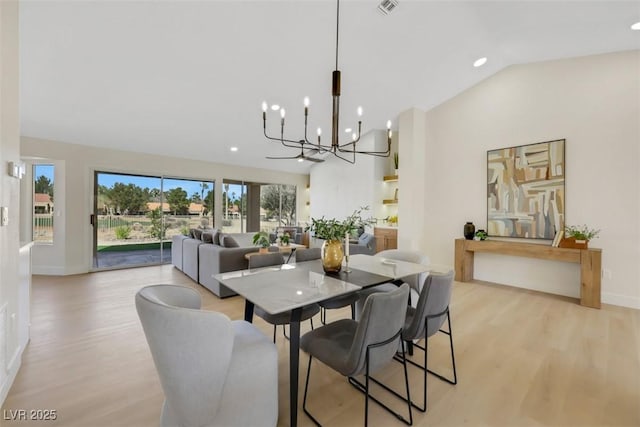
[[271, 259]]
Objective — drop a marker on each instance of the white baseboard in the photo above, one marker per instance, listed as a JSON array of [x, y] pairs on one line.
[[52, 270], [12, 371], [47, 270], [621, 300]]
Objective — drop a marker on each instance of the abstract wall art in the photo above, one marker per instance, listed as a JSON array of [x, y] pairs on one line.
[[525, 190]]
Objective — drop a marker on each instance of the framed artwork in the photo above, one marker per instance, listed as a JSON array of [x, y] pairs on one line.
[[525, 190]]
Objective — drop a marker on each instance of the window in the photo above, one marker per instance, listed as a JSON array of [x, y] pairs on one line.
[[253, 206], [43, 203]]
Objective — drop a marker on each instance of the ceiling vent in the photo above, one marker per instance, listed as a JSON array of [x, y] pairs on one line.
[[387, 6]]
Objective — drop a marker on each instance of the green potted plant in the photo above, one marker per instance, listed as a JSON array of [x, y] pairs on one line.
[[481, 235], [333, 232], [395, 162], [285, 238], [261, 238], [578, 236]]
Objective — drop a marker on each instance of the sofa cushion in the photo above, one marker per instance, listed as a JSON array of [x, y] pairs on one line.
[[216, 237], [228, 242], [208, 235], [196, 233]]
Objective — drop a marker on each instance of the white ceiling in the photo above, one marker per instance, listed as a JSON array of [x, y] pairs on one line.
[[186, 78]]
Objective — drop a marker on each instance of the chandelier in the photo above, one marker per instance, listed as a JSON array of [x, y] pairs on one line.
[[346, 151]]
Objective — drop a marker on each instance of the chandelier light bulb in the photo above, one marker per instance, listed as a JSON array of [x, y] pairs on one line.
[[306, 101], [389, 124], [354, 136], [636, 26], [282, 113], [480, 62], [264, 106], [300, 160], [319, 131], [359, 111]]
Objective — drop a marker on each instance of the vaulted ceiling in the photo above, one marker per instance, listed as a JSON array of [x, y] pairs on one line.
[[187, 78]]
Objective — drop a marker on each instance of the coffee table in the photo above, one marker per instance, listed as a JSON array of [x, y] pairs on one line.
[[290, 248]]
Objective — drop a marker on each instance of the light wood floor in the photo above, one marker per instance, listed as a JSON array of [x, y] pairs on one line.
[[523, 358]]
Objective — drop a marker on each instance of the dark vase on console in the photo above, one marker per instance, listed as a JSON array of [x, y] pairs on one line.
[[469, 231]]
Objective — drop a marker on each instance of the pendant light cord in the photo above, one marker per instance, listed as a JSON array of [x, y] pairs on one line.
[[337, 29]]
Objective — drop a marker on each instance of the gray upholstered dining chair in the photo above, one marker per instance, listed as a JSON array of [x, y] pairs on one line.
[[333, 303], [414, 281], [362, 347], [427, 319], [213, 371], [271, 259]]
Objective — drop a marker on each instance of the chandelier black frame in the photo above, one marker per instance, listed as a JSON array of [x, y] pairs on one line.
[[341, 151]]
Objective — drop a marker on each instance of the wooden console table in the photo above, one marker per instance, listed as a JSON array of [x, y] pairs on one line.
[[590, 261]]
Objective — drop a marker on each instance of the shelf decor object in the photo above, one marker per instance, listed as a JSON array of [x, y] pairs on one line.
[[469, 231], [346, 151], [526, 190]]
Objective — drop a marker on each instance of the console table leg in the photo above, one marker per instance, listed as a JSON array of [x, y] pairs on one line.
[[590, 278], [463, 262]]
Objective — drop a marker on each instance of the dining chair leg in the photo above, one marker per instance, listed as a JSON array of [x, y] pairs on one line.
[[364, 388], [304, 400], [426, 370]]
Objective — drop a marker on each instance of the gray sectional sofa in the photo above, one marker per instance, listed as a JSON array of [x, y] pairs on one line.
[[210, 252]]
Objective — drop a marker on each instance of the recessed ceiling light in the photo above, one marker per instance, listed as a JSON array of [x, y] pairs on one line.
[[234, 149], [348, 130], [480, 62], [636, 26], [275, 107]]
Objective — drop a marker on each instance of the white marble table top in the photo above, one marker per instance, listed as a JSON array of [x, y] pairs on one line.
[[283, 288], [389, 267]]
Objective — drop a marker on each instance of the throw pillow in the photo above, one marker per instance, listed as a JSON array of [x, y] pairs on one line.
[[197, 234], [207, 237], [228, 242], [217, 236]]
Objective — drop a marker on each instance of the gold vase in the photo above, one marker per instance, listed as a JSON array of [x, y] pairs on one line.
[[332, 256]]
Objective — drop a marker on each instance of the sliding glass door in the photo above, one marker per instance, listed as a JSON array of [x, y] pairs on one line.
[[135, 216]]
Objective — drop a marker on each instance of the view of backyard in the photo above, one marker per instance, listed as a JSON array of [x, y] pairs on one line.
[[137, 213]]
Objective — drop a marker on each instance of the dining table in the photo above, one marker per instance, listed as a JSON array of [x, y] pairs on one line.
[[291, 287]]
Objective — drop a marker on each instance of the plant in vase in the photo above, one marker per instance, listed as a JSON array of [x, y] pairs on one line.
[[261, 238], [285, 238], [395, 162], [580, 234], [334, 232]]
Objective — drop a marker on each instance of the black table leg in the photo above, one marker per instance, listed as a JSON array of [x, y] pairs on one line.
[[294, 358], [290, 254], [248, 311]]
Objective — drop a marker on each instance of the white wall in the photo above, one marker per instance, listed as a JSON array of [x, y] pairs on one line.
[[337, 188], [9, 197], [592, 102], [75, 164]]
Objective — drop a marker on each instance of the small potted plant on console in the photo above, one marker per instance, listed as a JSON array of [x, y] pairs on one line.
[[578, 236]]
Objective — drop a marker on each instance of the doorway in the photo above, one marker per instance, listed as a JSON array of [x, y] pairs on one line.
[[136, 216]]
